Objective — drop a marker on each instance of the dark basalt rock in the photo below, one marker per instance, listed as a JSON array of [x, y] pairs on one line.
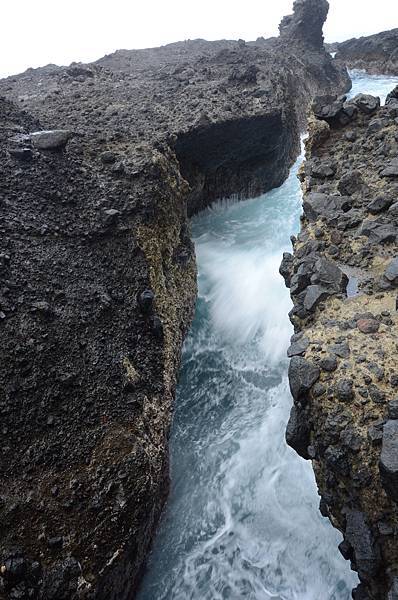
[[329, 275], [380, 204], [392, 97], [330, 109], [314, 295], [317, 205], [375, 53], [299, 345], [322, 170], [393, 409], [302, 376], [360, 593], [391, 273], [335, 110], [286, 268], [340, 349], [366, 103], [50, 140], [391, 169], [360, 537], [329, 363], [389, 459], [344, 390], [351, 183], [298, 432], [379, 232]]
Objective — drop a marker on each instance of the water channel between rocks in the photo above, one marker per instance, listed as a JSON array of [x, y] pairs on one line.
[[242, 520]]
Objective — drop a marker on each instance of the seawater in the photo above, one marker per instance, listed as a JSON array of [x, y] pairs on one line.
[[242, 520]]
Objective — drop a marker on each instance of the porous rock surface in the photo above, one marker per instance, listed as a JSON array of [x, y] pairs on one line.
[[375, 54], [343, 278], [101, 165]]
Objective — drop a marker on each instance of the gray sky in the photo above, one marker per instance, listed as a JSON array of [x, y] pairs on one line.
[[38, 32]]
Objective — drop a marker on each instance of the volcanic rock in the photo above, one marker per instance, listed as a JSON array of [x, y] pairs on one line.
[[50, 140], [375, 54], [389, 459], [302, 376]]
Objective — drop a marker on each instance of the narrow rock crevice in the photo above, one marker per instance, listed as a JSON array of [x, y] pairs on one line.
[[98, 281]]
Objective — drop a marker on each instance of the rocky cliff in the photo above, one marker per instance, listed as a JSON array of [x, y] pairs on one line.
[[101, 165], [343, 278], [375, 54]]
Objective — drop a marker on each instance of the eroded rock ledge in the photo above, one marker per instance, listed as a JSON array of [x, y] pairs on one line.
[[100, 166], [343, 278]]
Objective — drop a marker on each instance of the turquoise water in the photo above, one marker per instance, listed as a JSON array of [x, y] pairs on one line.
[[242, 521]]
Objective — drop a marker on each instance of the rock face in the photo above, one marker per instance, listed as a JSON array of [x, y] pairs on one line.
[[306, 23], [344, 382], [98, 282], [375, 53]]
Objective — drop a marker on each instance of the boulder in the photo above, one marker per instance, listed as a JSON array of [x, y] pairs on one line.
[[329, 363], [322, 169], [380, 204], [392, 97], [314, 295], [366, 103], [54, 139], [393, 409], [340, 349], [298, 432], [351, 183], [302, 376], [286, 268], [298, 346], [344, 390], [361, 539], [388, 464], [391, 272], [317, 205], [328, 275], [108, 157], [332, 109], [391, 170], [379, 232]]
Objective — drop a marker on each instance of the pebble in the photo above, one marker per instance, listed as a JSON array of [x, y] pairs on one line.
[[368, 325]]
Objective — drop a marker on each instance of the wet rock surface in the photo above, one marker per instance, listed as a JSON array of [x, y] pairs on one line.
[[375, 53], [347, 421], [101, 165]]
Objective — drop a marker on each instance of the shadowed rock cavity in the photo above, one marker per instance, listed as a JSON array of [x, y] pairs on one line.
[[244, 157]]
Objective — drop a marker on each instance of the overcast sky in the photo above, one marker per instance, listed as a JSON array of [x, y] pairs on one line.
[[37, 32]]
